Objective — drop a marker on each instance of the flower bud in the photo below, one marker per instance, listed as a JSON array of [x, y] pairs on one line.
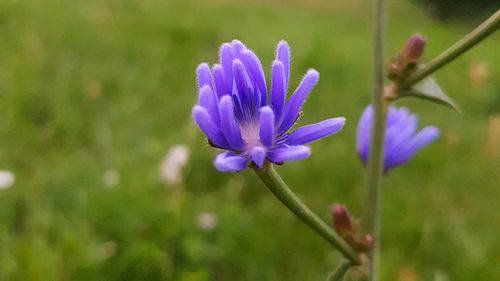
[[365, 244], [344, 226], [342, 221], [414, 49], [393, 70]]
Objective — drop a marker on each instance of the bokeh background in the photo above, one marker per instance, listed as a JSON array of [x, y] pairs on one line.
[[105, 177]]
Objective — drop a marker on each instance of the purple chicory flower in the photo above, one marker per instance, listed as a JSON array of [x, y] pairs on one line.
[[238, 114], [401, 141]]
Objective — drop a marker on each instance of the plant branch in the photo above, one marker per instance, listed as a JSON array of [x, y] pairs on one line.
[[468, 41], [375, 158], [280, 189], [339, 273]]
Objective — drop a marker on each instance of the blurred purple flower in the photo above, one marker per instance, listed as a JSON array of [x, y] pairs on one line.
[[402, 140], [237, 114]]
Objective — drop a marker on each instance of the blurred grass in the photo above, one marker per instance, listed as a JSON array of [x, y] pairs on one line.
[[91, 86]]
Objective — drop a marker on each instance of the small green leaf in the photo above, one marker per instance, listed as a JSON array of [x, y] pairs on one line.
[[429, 89]]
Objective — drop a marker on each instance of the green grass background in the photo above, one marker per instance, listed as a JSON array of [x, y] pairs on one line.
[[87, 86]]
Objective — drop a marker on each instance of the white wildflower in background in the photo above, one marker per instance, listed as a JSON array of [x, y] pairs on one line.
[[7, 179], [111, 178], [173, 163], [207, 221]]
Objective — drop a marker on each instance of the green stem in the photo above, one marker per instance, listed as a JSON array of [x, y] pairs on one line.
[[468, 41], [279, 188], [375, 158], [339, 273]]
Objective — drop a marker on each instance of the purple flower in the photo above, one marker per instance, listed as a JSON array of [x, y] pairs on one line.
[[237, 114], [401, 141]]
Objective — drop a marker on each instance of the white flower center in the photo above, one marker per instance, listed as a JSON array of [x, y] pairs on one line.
[[250, 134]]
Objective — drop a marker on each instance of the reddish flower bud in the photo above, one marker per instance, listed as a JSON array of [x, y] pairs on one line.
[[414, 49], [393, 70], [344, 226], [342, 221], [366, 243]]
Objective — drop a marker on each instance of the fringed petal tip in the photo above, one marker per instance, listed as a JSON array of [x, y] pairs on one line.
[[238, 45], [309, 133], [283, 51], [203, 75], [283, 44], [313, 75]]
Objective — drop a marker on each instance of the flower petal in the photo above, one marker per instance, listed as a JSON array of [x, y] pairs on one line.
[[250, 101], [258, 155], [426, 136], [205, 123], [229, 127], [398, 136], [316, 131], [220, 86], [278, 88], [266, 130], [283, 55], [238, 47], [230, 162], [363, 134], [289, 153], [203, 75], [242, 80], [295, 102], [255, 70], [208, 100], [226, 60]]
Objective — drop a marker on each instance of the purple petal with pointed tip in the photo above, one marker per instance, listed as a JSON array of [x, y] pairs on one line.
[[316, 131]]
